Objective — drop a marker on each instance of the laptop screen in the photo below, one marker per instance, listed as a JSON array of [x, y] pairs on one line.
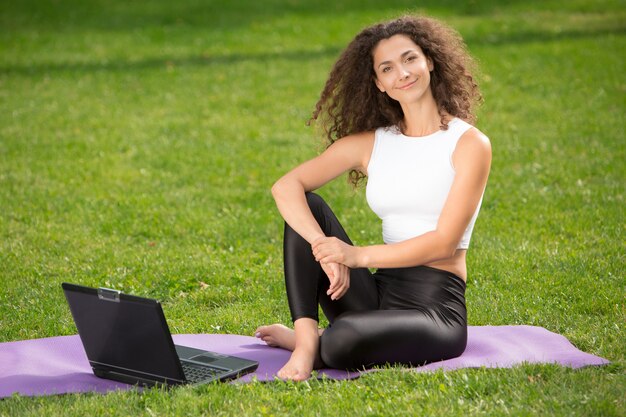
[[125, 332]]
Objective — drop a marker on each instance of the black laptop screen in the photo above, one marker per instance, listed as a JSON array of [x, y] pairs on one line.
[[129, 334]]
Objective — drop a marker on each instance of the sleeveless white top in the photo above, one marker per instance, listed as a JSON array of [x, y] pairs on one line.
[[409, 178]]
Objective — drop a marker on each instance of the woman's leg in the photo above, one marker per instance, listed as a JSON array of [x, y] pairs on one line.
[[306, 289], [411, 337], [307, 283], [422, 319]]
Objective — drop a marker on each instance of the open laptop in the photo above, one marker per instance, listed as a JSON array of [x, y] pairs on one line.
[[127, 339]]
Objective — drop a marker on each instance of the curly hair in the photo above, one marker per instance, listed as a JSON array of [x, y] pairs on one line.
[[350, 102]]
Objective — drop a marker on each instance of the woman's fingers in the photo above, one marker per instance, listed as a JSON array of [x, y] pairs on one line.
[[325, 243], [331, 249], [337, 281], [330, 258], [328, 250], [330, 272], [340, 292], [341, 284]]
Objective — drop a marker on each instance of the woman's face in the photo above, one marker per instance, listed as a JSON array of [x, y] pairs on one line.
[[402, 70]]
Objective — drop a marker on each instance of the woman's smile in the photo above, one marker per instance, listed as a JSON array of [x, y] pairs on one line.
[[409, 85]]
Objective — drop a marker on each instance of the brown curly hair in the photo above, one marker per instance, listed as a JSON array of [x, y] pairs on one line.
[[350, 102]]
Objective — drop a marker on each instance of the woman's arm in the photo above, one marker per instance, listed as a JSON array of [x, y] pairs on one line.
[[472, 161], [351, 152]]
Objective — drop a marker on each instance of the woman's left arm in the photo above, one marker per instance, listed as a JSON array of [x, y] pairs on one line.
[[472, 161]]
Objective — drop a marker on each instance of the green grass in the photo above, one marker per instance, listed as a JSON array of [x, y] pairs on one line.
[[139, 140]]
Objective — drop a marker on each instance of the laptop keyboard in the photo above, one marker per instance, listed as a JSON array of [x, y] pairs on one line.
[[197, 373]]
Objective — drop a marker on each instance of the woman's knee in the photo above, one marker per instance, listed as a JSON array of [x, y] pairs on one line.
[[339, 345], [316, 203], [317, 206], [321, 211]]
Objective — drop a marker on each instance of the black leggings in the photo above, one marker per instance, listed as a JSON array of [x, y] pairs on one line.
[[398, 315]]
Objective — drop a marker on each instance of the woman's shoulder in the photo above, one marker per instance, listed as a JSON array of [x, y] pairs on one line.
[[467, 132], [361, 139], [474, 145], [357, 146], [473, 135]]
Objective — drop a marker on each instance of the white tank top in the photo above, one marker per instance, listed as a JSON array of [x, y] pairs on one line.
[[409, 178]]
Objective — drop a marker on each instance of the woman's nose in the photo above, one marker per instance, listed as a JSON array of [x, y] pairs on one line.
[[403, 73]]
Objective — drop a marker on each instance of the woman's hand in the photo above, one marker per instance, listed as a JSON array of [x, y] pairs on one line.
[[333, 250], [339, 277]]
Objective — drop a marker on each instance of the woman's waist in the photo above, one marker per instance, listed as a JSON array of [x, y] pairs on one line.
[[455, 264], [422, 275], [424, 289]]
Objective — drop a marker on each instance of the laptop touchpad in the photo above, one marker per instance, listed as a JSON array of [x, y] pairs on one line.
[[204, 358]]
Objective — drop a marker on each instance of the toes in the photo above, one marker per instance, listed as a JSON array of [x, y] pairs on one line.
[[290, 373], [262, 332], [293, 375], [284, 374], [269, 340], [300, 377]]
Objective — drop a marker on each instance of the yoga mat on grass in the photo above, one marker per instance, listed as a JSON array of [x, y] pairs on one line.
[[58, 365]]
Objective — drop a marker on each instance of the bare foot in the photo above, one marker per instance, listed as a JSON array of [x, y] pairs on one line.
[[299, 366], [277, 335], [303, 342]]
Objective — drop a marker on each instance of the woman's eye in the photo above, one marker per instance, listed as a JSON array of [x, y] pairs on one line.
[[411, 58], [386, 69]]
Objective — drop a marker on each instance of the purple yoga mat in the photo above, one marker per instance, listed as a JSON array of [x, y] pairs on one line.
[[58, 365]]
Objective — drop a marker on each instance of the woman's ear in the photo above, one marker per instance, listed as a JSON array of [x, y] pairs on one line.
[[379, 85], [431, 64]]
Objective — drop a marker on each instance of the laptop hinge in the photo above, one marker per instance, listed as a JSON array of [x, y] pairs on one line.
[[108, 294]]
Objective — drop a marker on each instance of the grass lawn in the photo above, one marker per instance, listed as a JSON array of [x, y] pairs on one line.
[[139, 140]]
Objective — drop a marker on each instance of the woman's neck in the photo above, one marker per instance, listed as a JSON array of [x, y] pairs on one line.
[[421, 118]]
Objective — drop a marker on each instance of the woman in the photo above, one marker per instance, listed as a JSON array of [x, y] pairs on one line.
[[396, 109]]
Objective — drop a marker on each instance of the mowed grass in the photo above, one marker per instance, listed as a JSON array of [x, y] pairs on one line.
[[139, 140]]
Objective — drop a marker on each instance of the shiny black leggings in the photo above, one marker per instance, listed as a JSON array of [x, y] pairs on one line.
[[406, 316]]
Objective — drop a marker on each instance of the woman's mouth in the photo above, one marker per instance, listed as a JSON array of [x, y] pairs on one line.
[[407, 86]]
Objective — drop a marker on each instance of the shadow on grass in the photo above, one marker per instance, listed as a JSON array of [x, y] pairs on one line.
[[515, 38], [165, 62], [119, 15], [170, 62]]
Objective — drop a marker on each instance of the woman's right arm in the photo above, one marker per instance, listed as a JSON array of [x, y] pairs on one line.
[[351, 152]]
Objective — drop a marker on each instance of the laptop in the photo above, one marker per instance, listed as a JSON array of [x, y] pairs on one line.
[[126, 338]]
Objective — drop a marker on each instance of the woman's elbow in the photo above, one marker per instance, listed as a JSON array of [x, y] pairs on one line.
[[448, 250], [284, 188], [277, 188], [447, 247]]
